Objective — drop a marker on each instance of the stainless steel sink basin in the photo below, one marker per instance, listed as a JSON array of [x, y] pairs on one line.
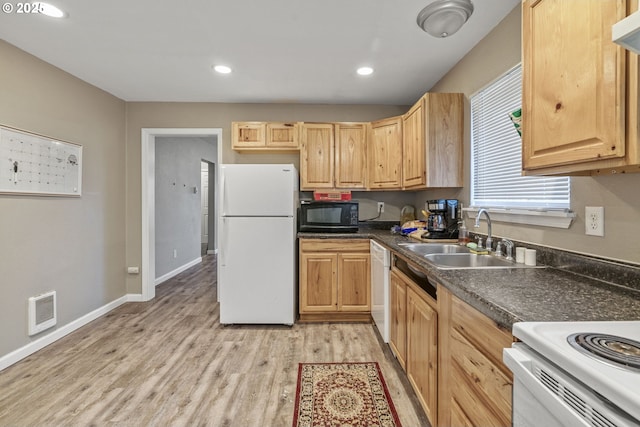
[[434, 248], [458, 261]]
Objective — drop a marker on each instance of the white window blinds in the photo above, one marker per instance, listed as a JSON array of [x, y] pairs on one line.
[[496, 151]]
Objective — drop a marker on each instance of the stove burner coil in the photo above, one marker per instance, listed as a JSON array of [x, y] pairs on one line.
[[619, 351]]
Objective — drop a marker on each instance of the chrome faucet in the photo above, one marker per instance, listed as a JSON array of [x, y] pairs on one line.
[[477, 225]]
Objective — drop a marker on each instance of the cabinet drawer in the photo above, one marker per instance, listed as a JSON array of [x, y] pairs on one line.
[[475, 412], [458, 417], [335, 245], [485, 382], [481, 331]]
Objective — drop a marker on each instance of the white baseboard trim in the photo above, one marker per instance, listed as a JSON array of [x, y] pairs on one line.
[[177, 271], [19, 354], [212, 251], [134, 298]]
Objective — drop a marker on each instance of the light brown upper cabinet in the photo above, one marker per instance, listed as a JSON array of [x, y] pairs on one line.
[[282, 135], [316, 156], [351, 155], [246, 135], [264, 136], [333, 156], [384, 154], [580, 90], [432, 139]]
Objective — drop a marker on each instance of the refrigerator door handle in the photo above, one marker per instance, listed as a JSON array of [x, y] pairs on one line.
[[223, 238], [223, 192]]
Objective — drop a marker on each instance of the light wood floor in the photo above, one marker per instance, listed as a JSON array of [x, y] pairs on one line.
[[169, 362]]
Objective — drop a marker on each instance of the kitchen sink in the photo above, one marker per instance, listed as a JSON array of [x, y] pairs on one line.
[[434, 248], [456, 261]]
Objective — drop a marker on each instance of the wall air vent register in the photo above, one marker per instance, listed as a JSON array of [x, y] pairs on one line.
[[42, 312]]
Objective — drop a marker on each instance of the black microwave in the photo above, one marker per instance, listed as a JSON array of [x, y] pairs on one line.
[[328, 217]]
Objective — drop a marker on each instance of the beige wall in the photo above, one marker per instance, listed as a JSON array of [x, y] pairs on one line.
[[72, 245], [214, 115], [494, 55]]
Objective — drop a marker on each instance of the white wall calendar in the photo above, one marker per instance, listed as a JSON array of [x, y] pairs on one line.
[[35, 164]]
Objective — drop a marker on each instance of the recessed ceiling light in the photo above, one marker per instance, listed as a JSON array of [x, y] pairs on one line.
[[365, 71], [51, 10], [222, 69]]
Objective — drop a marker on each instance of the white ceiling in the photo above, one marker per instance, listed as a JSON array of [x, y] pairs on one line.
[[303, 51]]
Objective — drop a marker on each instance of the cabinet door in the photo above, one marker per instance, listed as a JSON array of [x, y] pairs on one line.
[[384, 153], [282, 135], [248, 134], [413, 152], [422, 351], [433, 133], [573, 83], [318, 281], [316, 156], [354, 282], [444, 135], [351, 158], [398, 332]]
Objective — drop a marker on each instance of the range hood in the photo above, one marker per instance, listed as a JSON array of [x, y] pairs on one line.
[[626, 32]]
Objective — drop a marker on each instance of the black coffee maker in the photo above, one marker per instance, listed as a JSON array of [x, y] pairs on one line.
[[442, 221]]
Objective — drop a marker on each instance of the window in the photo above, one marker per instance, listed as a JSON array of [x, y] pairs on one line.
[[496, 153]]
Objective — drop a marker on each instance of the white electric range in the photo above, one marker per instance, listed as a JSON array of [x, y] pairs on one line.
[[576, 373]]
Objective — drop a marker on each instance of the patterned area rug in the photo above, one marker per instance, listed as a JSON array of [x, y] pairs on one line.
[[343, 395]]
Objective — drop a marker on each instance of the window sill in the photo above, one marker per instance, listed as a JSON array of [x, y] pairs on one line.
[[549, 218]]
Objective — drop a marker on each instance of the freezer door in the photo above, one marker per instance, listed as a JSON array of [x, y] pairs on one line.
[[257, 280], [259, 190]]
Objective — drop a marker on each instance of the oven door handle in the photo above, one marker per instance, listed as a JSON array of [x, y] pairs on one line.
[[521, 364]]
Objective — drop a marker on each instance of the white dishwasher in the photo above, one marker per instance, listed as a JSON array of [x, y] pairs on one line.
[[380, 267]]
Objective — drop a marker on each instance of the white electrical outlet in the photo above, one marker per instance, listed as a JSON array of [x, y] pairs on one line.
[[175, 253], [594, 220], [380, 207]]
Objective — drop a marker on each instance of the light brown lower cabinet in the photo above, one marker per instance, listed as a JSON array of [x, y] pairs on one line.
[[422, 349], [475, 387], [334, 280], [398, 316], [414, 339]]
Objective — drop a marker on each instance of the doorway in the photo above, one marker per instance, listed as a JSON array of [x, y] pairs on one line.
[[207, 219], [147, 160]]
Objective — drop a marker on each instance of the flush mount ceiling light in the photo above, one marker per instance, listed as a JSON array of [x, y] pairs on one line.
[[222, 69], [51, 10], [443, 18], [364, 71]]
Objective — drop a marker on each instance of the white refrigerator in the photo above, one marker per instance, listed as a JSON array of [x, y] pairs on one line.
[[257, 277]]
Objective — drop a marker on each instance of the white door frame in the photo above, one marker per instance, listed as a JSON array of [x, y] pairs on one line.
[[148, 172]]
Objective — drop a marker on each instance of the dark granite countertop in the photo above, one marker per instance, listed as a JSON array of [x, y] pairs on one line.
[[553, 293]]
